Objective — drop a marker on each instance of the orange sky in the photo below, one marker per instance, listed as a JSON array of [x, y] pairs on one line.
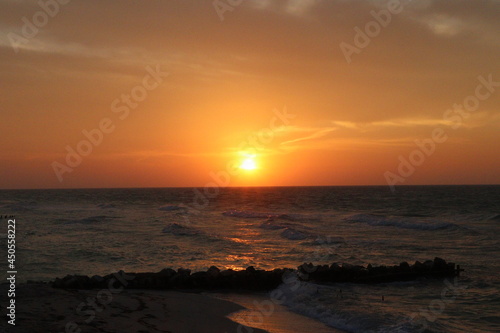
[[231, 83]]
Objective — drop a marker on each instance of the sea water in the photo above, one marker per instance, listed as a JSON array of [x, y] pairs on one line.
[[99, 231]]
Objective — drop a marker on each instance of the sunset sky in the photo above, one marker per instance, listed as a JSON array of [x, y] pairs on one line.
[[265, 85]]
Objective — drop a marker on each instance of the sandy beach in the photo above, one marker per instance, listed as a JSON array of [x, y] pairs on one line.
[[42, 309]]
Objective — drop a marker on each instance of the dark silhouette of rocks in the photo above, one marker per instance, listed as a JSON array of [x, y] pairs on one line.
[[438, 268], [259, 280]]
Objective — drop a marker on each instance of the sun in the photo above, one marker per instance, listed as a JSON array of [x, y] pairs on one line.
[[248, 163]]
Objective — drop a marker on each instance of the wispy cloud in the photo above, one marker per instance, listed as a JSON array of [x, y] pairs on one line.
[[392, 123], [390, 132], [318, 133]]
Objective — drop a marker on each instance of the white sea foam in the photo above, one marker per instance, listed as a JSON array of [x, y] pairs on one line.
[[347, 312]]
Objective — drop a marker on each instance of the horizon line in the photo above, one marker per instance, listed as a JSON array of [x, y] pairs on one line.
[[251, 186]]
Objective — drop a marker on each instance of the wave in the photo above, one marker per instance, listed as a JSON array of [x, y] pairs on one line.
[[266, 215], [404, 223], [495, 217], [248, 214], [105, 206], [89, 220], [271, 224], [293, 234], [19, 206], [322, 240], [170, 208], [180, 230], [325, 303], [290, 230]]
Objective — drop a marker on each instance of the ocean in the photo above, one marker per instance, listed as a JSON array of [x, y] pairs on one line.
[[100, 231]]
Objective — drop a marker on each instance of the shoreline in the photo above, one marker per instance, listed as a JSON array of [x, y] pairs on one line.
[[42, 308], [260, 312]]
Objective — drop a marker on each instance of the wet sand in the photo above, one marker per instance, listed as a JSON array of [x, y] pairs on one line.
[[260, 312]]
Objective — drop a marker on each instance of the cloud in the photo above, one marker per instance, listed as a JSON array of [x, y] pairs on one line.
[[392, 123], [391, 132], [315, 135]]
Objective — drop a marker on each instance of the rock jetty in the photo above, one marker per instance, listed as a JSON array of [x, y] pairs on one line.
[[437, 268], [262, 280]]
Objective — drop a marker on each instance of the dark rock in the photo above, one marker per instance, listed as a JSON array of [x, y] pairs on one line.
[[439, 264], [75, 282], [213, 271], [418, 266], [347, 266], [307, 268], [335, 267], [227, 272], [250, 269], [253, 279], [97, 281], [57, 283], [428, 264], [167, 272], [199, 279], [181, 281], [405, 267]]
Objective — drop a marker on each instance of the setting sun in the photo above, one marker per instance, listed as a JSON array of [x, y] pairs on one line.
[[248, 164]]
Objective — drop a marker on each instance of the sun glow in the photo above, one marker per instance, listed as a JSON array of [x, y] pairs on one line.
[[248, 163]]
